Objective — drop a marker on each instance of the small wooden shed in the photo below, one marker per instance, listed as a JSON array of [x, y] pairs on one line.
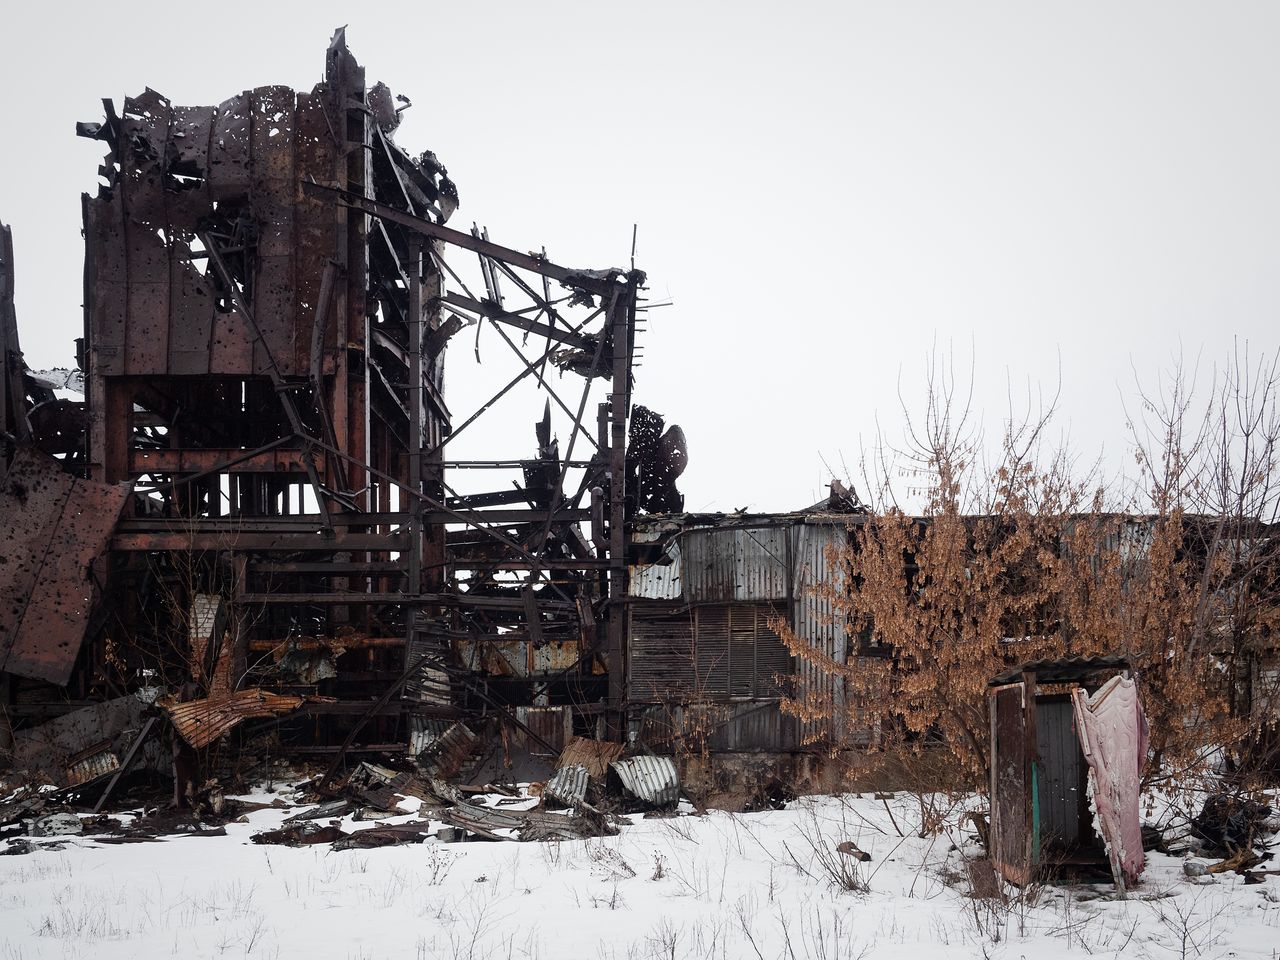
[[1068, 740]]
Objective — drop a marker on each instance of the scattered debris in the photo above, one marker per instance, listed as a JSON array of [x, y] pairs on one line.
[[304, 833], [56, 825]]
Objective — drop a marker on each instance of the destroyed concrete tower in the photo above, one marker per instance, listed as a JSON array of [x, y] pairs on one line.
[[252, 508]]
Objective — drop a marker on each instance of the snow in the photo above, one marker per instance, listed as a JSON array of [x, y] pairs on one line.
[[716, 886]]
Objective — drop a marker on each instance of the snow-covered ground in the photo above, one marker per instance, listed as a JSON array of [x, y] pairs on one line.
[[715, 886]]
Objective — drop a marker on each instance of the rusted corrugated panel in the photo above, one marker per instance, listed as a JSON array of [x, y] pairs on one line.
[[447, 755], [595, 755], [552, 724], [201, 722], [653, 780], [91, 763], [815, 621], [735, 563], [53, 527], [229, 150], [424, 731]]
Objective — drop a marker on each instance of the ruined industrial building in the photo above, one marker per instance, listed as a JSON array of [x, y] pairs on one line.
[[235, 529]]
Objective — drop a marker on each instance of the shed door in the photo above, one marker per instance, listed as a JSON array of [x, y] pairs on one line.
[[1059, 773]]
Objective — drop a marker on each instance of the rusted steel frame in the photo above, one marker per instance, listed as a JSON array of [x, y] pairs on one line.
[[320, 325], [575, 419], [541, 362], [574, 278], [326, 781], [544, 301], [300, 542], [220, 467], [474, 564], [273, 370], [286, 523], [529, 366], [429, 388], [414, 452], [622, 319], [125, 764], [493, 312], [504, 464], [328, 567], [557, 492], [445, 513], [479, 601]]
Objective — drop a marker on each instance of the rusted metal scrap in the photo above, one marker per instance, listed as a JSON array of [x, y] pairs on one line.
[[595, 755], [653, 781], [52, 526], [485, 822], [201, 722]]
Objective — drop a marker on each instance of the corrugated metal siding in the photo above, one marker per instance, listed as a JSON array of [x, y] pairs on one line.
[[716, 651], [656, 581], [660, 654], [815, 621], [735, 563], [743, 727]]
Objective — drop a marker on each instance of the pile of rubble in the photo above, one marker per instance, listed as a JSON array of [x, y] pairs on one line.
[[401, 800]]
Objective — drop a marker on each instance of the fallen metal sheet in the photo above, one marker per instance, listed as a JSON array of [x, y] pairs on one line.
[[595, 755], [569, 785], [91, 763], [52, 748], [445, 757], [27, 802], [1113, 736], [57, 825], [524, 825], [201, 722], [324, 811], [376, 786], [414, 832], [652, 780], [52, 527], [302, 834]]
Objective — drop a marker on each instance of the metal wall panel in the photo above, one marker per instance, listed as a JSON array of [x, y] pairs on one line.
[[657, 581], [735, 563], [59, 524], [660, 653], [815, 620]]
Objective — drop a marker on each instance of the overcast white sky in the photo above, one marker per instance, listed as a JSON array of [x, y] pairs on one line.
[[823, 189]]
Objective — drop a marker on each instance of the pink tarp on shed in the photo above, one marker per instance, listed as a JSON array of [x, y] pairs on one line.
[[1113, 735]]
